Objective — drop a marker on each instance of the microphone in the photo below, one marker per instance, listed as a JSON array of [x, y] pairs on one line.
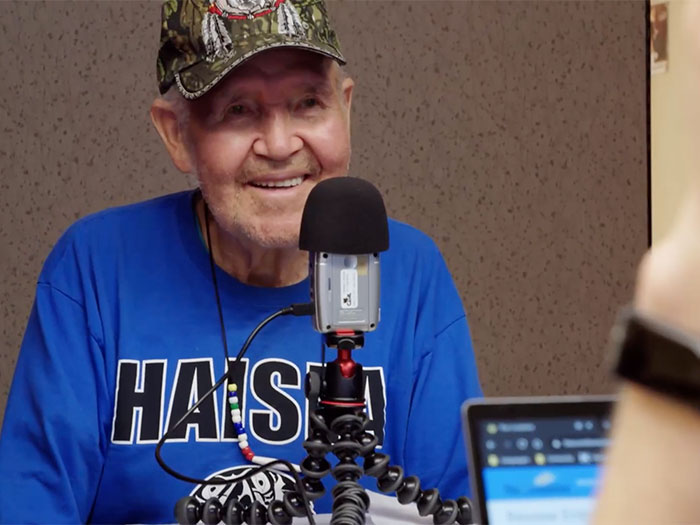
[[344, 227]]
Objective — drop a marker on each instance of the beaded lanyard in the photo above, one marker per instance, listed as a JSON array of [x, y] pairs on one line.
[[234, 404], [237, 420]]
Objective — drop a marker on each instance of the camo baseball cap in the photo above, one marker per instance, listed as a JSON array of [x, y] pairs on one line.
[[202, 40]]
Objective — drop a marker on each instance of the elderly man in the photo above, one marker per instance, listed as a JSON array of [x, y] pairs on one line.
[[134, 303]]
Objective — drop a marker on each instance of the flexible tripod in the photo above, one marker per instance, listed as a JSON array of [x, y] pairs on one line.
[[338, 425]]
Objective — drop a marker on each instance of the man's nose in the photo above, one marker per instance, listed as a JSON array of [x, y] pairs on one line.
[[278, 138]]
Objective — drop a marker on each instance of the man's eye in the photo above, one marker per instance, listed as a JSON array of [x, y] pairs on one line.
[[237, 110], [309, 102]]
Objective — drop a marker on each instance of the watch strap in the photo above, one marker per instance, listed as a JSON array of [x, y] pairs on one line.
[[658, 356]]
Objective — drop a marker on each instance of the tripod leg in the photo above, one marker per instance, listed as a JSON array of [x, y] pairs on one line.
[[391, 479], [350, 499]]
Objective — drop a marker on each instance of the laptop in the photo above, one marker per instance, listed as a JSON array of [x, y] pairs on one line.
[[536, 460]]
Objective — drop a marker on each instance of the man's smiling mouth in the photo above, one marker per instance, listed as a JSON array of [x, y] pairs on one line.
[[286, 183]]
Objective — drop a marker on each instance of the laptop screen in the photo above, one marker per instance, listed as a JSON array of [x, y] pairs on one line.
[[537, 461]]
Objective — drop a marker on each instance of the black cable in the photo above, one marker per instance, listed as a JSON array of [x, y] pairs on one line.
[[212, 266], [284, 311], [289, 310]]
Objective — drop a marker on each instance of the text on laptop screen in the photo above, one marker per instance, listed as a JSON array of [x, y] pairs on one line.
[[540, 471]]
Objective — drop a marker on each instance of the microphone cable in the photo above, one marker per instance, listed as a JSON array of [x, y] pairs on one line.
[[296, 309]]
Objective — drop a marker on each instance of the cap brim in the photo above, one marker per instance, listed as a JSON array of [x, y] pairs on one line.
[[197, 79]]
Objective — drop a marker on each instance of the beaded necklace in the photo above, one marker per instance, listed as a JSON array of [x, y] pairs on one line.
[[234, 404], [238, 422]]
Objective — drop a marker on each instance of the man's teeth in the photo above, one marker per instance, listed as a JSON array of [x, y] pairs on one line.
[[288, 183]]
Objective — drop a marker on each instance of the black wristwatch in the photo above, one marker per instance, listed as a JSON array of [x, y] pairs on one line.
[[658, 356]]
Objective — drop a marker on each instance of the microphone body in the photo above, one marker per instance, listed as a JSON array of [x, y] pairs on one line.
[[345, 291], [344, 227]]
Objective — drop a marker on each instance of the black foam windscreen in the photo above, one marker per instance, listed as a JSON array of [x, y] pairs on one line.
[[344, 215]]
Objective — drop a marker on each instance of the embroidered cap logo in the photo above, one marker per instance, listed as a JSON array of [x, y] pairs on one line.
[[215, 36]]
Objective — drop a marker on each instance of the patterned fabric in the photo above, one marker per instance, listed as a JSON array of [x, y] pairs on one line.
[[202, 40]]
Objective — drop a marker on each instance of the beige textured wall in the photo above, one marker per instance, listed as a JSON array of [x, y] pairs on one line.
[[512, 132], [674, 112]]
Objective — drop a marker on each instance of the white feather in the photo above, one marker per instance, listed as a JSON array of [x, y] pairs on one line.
[[288, 20]]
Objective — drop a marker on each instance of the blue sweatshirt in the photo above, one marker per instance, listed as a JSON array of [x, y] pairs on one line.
[[124, 336]]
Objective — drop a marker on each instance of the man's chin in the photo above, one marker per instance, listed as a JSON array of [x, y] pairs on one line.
[[267, 232], [275, 239], [276, 243]]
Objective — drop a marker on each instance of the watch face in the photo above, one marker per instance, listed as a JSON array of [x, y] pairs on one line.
[[660, 357]]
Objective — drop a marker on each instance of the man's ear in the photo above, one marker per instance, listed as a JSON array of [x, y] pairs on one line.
[[346, 88], [164, 118]]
